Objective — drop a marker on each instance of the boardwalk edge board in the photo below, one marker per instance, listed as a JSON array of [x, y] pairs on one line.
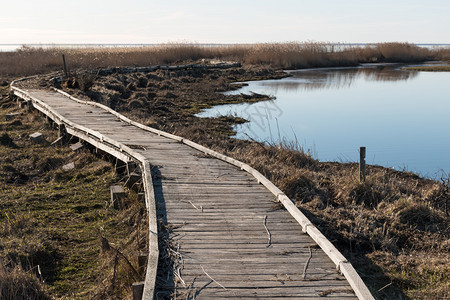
[[126, 154]]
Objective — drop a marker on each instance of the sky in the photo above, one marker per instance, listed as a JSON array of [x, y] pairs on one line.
[[230, 21]]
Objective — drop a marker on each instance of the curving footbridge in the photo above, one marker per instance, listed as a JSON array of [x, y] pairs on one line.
[[229, 237]]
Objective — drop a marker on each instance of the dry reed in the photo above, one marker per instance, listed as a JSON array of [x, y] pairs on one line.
[[30, 61]]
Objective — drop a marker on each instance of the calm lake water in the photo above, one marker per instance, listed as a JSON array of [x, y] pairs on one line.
[[402, 117]]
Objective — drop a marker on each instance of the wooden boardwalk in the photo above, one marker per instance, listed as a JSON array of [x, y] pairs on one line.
[[232, 239]]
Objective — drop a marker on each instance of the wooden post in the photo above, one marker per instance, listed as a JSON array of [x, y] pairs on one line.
[[362, 164], [138, 290], [37, 138], [28, 106], [117, 194], [142, 262], [65, 67], [61, 130]]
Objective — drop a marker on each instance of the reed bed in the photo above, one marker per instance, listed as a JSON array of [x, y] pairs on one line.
[[30, 61]]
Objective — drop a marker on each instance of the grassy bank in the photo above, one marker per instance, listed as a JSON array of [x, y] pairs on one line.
[[394, 228], [59, 237], [31, 61]]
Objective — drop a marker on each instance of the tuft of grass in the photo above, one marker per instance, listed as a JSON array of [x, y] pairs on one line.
[[17, 283]]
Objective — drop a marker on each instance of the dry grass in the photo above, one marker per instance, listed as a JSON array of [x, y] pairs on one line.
[[17, 283], [31, 61], [120, 262], [440, 68], [395, 52]]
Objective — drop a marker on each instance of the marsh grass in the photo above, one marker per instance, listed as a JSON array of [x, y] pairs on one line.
[[31, 61]]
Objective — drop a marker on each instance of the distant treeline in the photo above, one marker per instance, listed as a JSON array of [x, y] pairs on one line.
[[32, 60]]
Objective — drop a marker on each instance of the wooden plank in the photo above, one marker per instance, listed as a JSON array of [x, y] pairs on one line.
[[254, 268], [263, 252], [287, 246], [229, 283], [221, 223], [237, 260], [273, 287], [265, 280], [152, 261], [218, 228], [313, 275], [187, 203], [212, 293]]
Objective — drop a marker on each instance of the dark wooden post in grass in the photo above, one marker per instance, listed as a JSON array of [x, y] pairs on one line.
[[142, 262], [117, 195], [362, 164], [65, 67], [138, 290]]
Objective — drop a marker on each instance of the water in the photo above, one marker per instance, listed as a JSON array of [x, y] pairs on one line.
[[402, 117]]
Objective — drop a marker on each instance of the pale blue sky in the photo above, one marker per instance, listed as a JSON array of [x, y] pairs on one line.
[[231, 21]]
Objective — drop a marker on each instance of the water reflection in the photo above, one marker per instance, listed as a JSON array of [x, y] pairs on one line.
[[337, 78]]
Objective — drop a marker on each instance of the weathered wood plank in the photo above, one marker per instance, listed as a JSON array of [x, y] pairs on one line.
[[231, 282]]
